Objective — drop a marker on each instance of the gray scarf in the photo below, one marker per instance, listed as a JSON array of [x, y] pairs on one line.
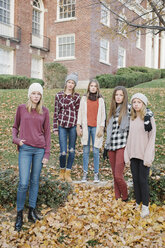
[[124, 125]]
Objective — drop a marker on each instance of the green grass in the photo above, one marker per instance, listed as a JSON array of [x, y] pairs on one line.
[[10, 99], [159, 83]]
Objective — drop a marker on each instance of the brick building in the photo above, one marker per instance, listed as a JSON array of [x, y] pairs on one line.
[[71, 32]]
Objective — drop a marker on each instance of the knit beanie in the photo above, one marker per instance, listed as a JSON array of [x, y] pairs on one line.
[[140, 96], [35, 87], [73, 76]]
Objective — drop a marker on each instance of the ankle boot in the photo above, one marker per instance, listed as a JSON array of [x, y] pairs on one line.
[[32, 216], [68, 176], [62, 174], [19, 221]]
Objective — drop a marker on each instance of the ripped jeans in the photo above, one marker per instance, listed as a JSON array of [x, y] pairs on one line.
[[65, 135]]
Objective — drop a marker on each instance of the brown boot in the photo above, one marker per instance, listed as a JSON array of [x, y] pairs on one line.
[[62, 175], [67, 176]]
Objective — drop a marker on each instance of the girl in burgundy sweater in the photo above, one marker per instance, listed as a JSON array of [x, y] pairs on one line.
[[140, 149], [31, 132]]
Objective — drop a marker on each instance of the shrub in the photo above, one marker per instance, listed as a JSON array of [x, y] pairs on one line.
[[55, 74], [14, 82], [51, 192], [156, 73], [17, 82], [162, 73]]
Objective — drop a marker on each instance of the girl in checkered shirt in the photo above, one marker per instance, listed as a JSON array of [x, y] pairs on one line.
[[117, 132], [64, 124]]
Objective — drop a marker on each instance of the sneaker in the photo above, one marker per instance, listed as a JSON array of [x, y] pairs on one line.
[[137, 206], [96, 178], [145, 211], [84, 179]]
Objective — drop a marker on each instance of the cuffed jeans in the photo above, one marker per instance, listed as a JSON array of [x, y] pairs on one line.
[[116, 159], [30, 165], [86, 151], [140, 174], [64, 134]]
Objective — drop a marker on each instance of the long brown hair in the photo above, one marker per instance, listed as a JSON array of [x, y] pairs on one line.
[[113, 105], [93, 80], [38, 107]]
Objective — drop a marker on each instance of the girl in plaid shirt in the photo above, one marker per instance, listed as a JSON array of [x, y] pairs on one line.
[[64, 123], [117, 132]]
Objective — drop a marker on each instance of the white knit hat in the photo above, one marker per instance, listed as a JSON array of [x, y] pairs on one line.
[[140, 96], [35, 87]]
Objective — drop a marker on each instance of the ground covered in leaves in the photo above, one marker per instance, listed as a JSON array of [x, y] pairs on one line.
[[90, 218]]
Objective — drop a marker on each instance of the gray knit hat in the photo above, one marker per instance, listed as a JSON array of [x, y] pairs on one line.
[[140, 96], [35, 87], [73, 76]]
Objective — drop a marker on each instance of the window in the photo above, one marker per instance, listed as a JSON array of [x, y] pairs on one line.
[[5, 11], [6, 61], [36, 68], [138, 39], [66, 9], [121, 57], [36, 19], [66, 46], [121, 25], [104, 51], [105, 14]]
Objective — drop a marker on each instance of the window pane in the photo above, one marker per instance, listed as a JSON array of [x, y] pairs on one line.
[[66, 9], [66, 46]]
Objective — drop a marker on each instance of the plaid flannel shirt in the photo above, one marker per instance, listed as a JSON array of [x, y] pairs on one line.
[[66, 110]]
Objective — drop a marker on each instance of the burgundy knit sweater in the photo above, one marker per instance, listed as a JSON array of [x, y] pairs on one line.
[[32, 127]]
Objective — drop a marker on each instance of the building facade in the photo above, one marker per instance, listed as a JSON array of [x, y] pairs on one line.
[[74, 33]]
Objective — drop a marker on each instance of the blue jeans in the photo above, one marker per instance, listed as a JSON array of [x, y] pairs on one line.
[[30, 165], [86, 151], [64, 134]]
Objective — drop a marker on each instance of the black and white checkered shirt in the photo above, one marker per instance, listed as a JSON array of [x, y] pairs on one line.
[[118, 139]]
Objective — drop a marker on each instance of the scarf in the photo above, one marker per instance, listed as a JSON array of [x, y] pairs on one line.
[[124, 125]]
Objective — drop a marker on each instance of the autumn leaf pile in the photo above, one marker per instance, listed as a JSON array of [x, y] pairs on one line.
[[90, 218]]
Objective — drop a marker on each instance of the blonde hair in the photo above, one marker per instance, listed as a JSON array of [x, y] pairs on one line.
[[113, 105], [142, 112], [93, 80], [38, 107]]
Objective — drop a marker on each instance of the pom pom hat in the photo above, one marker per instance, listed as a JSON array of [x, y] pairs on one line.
[[73, 76], [35, 87], [140, 96]]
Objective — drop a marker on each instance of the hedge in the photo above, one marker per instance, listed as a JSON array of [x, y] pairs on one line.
[[162, 73], [17, 82]]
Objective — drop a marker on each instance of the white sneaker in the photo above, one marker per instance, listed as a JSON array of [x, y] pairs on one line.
[[96, 178], [145, 211], [84, 178], [137, 206]]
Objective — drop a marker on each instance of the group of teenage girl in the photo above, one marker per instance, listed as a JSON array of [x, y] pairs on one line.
[[130, 140]]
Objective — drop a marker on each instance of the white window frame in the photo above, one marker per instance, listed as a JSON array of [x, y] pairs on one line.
[[40, 10], [6, 61], [5, 15], [6, 29], [121, 25], [73, 10], [121, 54], [67, 44], [39, 65], [105, 50], [105, 14], [138, 39]]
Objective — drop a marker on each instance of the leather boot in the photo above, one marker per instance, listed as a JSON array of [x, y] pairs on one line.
[[32, 216], [68, 176], [62, 175], [19, 221]]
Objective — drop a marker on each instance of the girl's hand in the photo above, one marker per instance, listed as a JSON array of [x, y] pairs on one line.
[[100, 132], [55, 132], [21, 143], [79, 131], [45, 161]]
